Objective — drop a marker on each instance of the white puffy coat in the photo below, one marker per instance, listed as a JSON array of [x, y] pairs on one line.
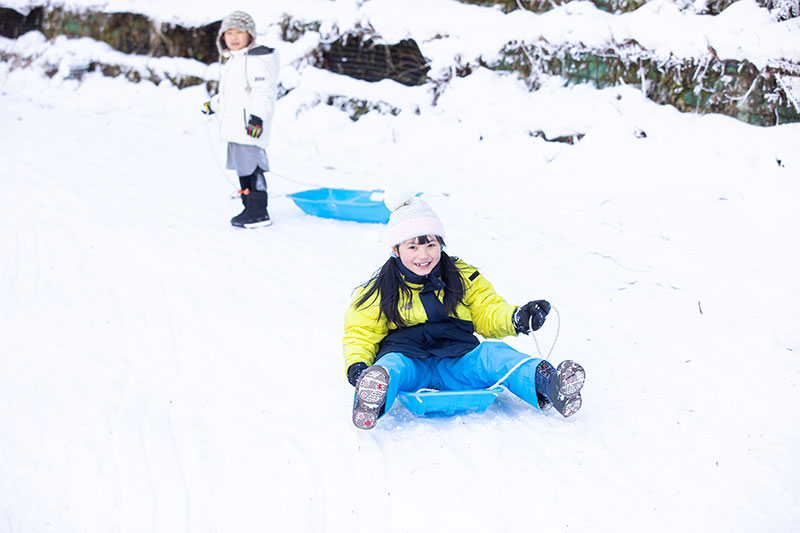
[[248, 85]]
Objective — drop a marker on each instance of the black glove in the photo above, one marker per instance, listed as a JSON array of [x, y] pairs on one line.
[[207, 109], [255, 127], [355, 370], [530, 316]]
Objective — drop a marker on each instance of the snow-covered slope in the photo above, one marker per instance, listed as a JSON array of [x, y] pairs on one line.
[[163, 371]]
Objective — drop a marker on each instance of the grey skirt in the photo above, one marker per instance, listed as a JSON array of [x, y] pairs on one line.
[[244, 158]]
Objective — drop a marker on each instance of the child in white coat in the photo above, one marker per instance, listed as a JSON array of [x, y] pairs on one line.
[[248, 90]]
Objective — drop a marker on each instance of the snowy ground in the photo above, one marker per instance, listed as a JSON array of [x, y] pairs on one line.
[[162, 371]]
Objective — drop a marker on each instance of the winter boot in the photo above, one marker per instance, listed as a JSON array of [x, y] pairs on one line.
[[543, 372], [245, 184], [560, 387], [255, 211], [371, 389]]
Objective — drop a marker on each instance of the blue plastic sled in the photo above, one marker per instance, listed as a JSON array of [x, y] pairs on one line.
[[342, 204], [448, 403]]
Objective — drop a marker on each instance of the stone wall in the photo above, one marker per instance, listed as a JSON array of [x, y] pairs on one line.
[[781, 9], [364, 58], [130, 33], [710, 85], [706, 85]]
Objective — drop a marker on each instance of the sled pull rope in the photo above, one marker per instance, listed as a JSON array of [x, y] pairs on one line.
[[228, 178], [538, 349], [213, 150]]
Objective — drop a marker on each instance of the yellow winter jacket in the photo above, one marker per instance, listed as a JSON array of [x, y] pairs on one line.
[[366, 327]]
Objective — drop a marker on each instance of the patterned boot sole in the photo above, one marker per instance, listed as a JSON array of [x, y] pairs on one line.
[[565, 390], [370, 396]]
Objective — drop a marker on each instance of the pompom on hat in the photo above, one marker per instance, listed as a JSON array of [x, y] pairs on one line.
[[410, 217], [238, 20]]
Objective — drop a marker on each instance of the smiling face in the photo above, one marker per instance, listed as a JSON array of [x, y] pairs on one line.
[[420, 255], [236, 39]]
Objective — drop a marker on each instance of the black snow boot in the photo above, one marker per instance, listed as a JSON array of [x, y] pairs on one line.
[[560, 387], [255, 211], [245, 184]]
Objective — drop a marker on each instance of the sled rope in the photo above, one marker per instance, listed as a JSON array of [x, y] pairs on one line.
[[558, 330], [213, 150], [225, 174], [294, 180], [538, 349]]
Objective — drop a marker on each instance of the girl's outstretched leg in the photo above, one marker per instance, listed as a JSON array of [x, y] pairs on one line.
[[535, 381], [488, 363]]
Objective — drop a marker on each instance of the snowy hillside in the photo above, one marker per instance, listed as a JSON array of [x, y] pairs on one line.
[[162, 371]]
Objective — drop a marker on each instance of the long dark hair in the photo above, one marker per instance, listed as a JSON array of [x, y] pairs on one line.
[[387, 284]]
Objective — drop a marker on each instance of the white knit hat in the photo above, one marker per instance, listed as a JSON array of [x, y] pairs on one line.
[[411, 217], [238, 20]]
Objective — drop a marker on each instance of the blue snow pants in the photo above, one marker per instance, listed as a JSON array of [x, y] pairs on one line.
[[477, 369]]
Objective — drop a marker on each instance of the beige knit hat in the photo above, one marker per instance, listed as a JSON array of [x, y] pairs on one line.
[[238, 20], [411, 217]]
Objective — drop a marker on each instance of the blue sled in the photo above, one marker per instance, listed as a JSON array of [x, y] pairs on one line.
[[448, 403], [342, 204]]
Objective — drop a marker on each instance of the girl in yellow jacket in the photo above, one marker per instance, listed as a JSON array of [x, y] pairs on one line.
[[413, 326]]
